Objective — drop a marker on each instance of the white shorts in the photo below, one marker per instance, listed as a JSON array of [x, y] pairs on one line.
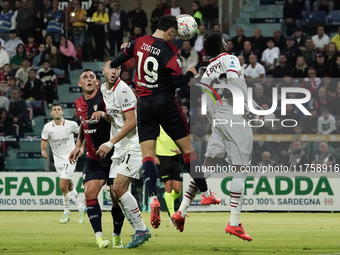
[[236, 141], [65, 171], [130, 165]]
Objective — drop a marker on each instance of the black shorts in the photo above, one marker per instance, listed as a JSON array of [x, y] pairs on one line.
[[97, 170], [170, 168], [164, 110]]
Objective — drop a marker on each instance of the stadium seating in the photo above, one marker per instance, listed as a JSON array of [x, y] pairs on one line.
[[334, 18]]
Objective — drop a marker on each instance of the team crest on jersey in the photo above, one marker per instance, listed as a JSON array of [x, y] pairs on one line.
[[95, 107], [79, 109], [179, 63]]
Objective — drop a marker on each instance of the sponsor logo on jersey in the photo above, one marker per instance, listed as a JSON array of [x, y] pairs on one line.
[[232, 64], [179, 63], [95, 107], [79, 109], [90, 131]]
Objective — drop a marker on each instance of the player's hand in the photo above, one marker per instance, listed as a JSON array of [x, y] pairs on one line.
[[75, 154], [104, 149], [177, 151], [193, 70], [124, 45], [97, 115], [44, 154], [157, 162]]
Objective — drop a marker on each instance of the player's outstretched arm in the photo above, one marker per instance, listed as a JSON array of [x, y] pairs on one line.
[[43, 149], [182, 80], [119, 59], [79, 148]]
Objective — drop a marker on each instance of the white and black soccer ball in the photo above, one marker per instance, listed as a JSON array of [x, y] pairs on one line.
[[187, 26]]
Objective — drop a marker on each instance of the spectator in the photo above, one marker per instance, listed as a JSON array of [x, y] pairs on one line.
[[175, 9], [258, 42], [12, 84], [326, 122], [266, 160], [268, 85], [323, 5], [311, 82], [189, 56], [331, 53], [78, 20], [22, 74], [48, 77], [156, 14], [100, 19], [57, 62], [39, 58], [291, 118], [322, 100], [217, 29], [4, 102], [137, 32], [336, 68], [4, 57], [55, 20], [7, 21], [321, 67], [255, 72], [335, 104], [18, 58], [239, 39], [292, 51], [320, 40], [311, 122], [291, 17], [266, 120], [117, 28], [282, 68], [124, 75], [33, 91], [231, 49], [242, 64], [67, 48], [259, 98], [247, 51], [327, 81], [6, 123], [197, 15], [336, 39], [137, 17], [298, 157], [12, 44], [18, 110], [24, 19], [287, 81], [301, 69], [31, 47], [38, 24], [199, 41], [300, 39], [94, 7], [337, 130], [323, 158], [279, 40], [270, 55], [6, 74], [212, 13], [49, 42], [309, 53]]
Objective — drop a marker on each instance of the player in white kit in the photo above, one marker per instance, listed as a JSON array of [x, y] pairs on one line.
[[120, 104], [60, 134], [235, 140]]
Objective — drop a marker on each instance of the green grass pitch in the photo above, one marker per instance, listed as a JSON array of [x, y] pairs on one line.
[[273, 233]]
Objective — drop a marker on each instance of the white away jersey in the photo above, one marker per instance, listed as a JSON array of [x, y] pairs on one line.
[[61, 139], [229, 66], [118, 100]]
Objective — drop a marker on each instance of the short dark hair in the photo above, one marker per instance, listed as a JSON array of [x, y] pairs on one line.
[[86, 70], [45, 61], [108, 59], [271, 39], [57, 104], [213, 44], [166, 22]]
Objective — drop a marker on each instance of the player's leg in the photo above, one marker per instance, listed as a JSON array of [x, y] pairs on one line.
[[168, 197], [118, 217], [63, 184], [124, 172], [68, 174]]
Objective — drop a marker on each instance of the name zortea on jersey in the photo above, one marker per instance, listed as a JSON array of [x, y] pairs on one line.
[[151, 49]]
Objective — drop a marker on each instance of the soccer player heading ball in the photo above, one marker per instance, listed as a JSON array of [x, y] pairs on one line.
[[158, 74]]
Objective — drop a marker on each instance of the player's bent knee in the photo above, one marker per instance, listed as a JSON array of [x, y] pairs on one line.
[[119, 190]]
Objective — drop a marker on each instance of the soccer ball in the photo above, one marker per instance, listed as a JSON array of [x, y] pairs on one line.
[[187, 26]]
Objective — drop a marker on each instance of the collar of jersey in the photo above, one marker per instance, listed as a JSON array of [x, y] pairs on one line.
[[114, 87], [62, 124], [156, 38], [222, 54]]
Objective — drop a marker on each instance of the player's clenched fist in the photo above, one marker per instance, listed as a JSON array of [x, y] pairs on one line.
[[104, 149]]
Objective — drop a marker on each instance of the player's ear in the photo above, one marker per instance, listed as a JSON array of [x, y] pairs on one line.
[[79, 84]]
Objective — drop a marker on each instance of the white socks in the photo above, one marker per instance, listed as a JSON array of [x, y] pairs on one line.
[[189, 195], [66, 200], [131, 211], [73, 194], [236, 196]]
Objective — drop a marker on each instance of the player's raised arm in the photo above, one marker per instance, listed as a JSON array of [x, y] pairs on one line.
[[124, 55]]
